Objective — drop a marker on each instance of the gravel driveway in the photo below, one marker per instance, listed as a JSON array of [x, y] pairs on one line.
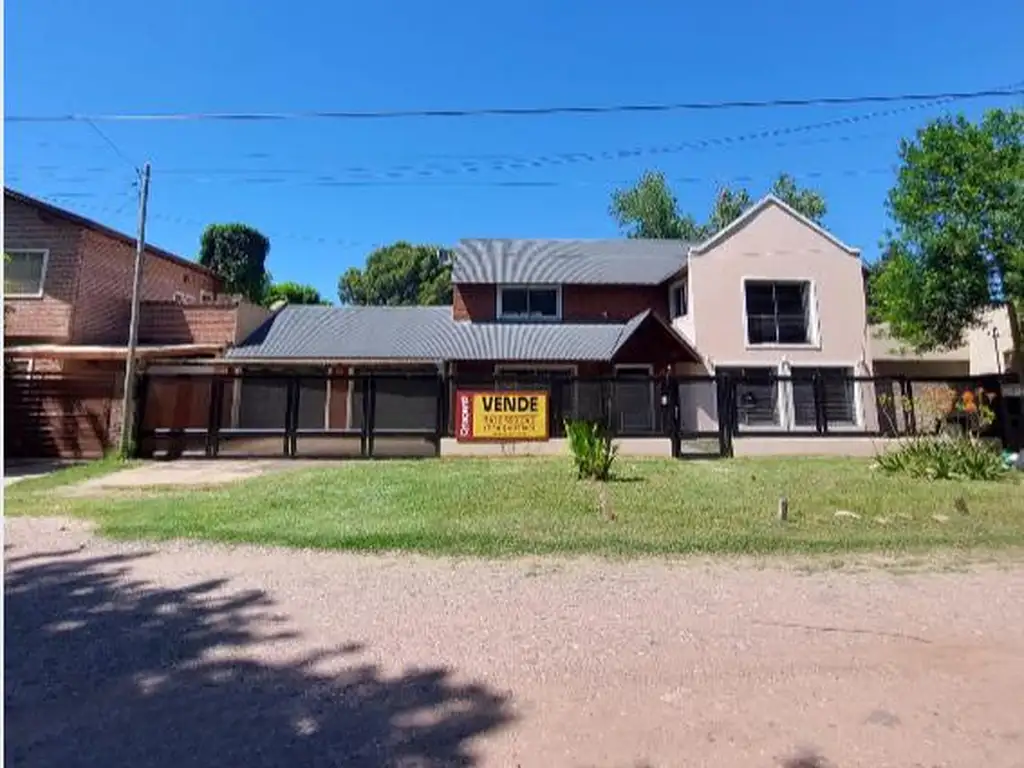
[[182, 655]]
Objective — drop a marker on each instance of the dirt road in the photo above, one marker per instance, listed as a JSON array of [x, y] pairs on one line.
[[184, 655]]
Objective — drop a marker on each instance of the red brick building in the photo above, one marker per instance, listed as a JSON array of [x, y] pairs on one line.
[[67, 303]]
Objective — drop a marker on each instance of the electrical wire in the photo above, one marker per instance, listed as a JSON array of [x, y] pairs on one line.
[[703, 106]]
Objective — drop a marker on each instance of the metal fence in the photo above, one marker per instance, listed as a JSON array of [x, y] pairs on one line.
[[309, 413]]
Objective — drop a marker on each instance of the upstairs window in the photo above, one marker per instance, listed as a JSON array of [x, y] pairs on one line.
[[24, 273], [529, 302], [677, 300], [778, 312]]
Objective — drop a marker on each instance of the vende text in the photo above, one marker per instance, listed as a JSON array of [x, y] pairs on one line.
[[504, 404]]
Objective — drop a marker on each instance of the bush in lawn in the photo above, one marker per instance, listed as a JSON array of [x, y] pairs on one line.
[[592, 449], [957, 453]]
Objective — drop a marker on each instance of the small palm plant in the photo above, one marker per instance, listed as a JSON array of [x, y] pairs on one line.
[[592, 449]]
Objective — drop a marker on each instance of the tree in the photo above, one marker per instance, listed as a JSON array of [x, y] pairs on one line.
[[401, 274], [237, 254], [957, 249], [294, 293], [649, 209]]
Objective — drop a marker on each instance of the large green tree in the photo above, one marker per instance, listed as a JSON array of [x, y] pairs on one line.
[[293, 293], [237, 253], [401, 274], [957, 248], [650, 209]]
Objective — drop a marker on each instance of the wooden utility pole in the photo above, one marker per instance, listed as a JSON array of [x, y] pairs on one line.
[[128, 401]]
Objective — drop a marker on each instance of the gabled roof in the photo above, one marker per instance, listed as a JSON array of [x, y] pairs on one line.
[[594, 262], [95, 226], [428, 334], [766, 202]]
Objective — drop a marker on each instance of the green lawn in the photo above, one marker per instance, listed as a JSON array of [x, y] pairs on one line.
[[517, 506]]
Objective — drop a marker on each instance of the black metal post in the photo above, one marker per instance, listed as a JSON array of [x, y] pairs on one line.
[[371, 420], [141, 395], [442, 397], [820, 412], [726, 405], [364, 432], [213, 415], [909, 413], [291, 410], [675, 415]]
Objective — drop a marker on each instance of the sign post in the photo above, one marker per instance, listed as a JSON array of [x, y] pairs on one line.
[[498, 416]]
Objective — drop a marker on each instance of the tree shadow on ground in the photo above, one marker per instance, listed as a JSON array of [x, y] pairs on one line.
[[102, 670]]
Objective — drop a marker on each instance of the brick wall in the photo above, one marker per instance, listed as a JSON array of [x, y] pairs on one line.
[[168, 322], [103, 305], [48, 318], [473, 301], [595, 303]]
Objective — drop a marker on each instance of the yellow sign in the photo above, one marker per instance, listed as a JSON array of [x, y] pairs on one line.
[[501, 415]]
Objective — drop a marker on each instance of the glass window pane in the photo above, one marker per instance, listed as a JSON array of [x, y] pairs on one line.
[[23, 273], [803, 398], [760, 299], [761, 329], [790, 298], [757, 396], [544, 302], [792, 329], [513, 301]]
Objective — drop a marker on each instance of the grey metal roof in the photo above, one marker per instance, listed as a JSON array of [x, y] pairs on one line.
[[424, 333], [595, 262]]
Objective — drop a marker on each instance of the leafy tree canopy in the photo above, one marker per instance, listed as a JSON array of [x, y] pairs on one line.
[[237, 254], [294, 293], [400, 274], [650, 209], [957, 248]]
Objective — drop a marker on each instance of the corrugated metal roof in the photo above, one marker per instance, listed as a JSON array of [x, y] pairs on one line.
[[424, 333], [594, 262]]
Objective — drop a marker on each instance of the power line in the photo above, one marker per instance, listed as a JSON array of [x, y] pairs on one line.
[[702, 106], [113, 146]]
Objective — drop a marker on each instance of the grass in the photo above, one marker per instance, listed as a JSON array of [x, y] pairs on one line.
[[523, 506], [69, 475]]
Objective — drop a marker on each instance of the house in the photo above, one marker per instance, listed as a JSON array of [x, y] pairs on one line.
[[637, 332], [67, 302]]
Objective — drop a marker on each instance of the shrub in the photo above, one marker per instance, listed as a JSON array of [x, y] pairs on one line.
[[592, 449], [944, 458]]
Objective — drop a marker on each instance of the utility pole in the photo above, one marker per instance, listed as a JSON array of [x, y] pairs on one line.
[[128, 401]]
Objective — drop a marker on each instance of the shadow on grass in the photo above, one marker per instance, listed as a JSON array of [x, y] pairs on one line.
[[104, 670]]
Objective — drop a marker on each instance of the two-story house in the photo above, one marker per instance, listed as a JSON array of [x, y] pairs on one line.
[[67, 303], [772, 293]]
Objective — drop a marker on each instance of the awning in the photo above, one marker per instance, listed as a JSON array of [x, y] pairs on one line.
[[109, 352]]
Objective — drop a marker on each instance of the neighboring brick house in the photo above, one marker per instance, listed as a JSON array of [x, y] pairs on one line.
[[67, 303]]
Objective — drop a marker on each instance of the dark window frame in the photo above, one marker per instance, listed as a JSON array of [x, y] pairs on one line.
[[774, 326]]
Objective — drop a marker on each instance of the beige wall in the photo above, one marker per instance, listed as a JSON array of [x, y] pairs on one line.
[[982, 347], [774, 244]]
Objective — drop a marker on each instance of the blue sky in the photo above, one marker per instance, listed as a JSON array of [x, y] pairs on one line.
[[441, 179]]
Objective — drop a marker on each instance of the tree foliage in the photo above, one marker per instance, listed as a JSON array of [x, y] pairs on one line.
[[293, 293], [957, 248], [400, 274], [650, 209], [237, 254]]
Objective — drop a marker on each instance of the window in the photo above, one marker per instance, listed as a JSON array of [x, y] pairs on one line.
[[677, 299], [24, 273], [757, 396], [837, 391], [778, 312], [529, 302]]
